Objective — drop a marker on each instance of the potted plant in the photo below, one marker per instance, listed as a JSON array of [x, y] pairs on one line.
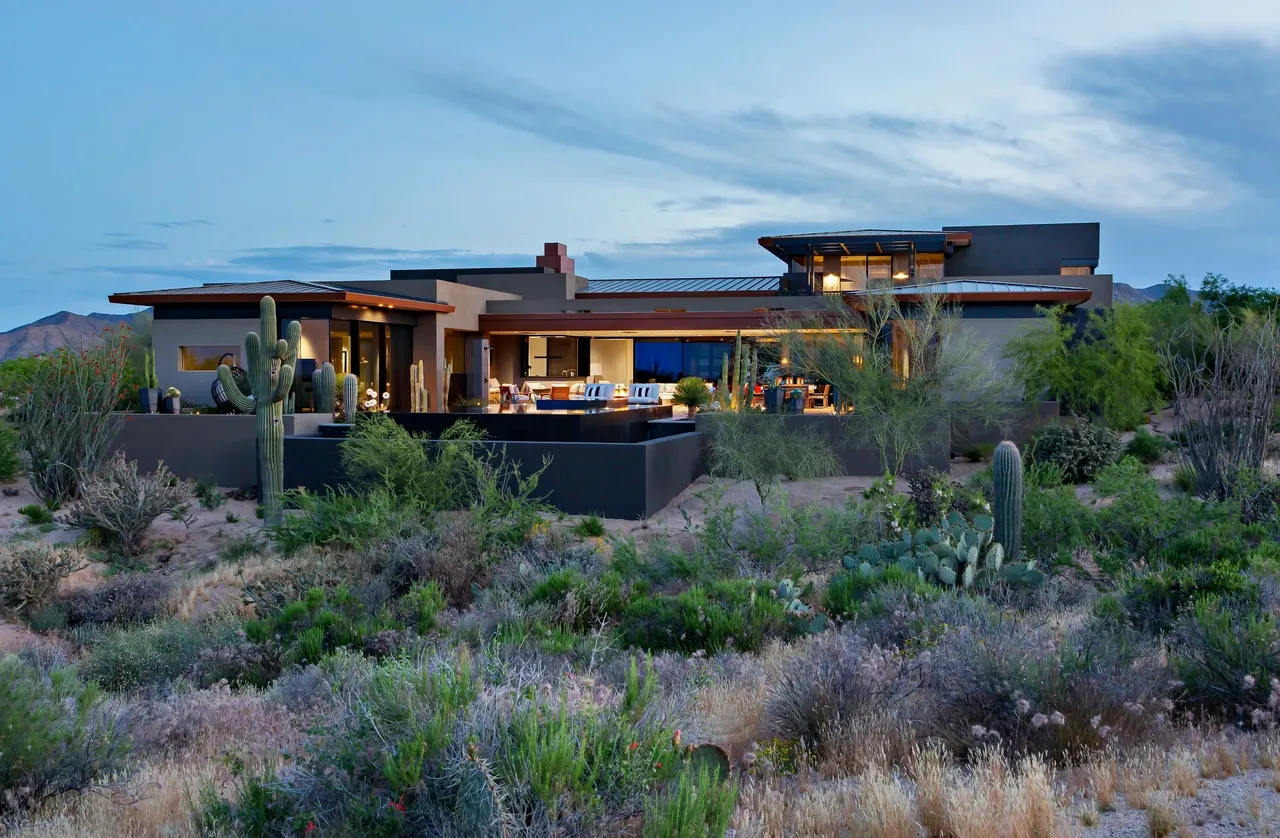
[[795, 400], [149, 392], [173, 401], [693, 393]]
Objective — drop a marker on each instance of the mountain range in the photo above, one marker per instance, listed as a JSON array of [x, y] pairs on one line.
[[58, 330]]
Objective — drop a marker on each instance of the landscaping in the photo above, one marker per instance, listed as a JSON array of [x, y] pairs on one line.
[[1075, 636]]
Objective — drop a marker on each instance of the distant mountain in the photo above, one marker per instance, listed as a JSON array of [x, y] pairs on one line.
[[56, 331], [1123, 293]]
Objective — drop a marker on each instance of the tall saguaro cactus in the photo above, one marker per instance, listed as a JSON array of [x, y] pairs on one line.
[[350, 397], [1006, 469], [324, 381], [270, 382]]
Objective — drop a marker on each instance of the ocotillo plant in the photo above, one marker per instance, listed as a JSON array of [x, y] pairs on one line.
[[270, 382], [350, 397], [324, 381], [1006, 473]]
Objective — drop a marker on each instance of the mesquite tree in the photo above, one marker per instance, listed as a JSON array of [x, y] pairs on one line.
[[270, 381]]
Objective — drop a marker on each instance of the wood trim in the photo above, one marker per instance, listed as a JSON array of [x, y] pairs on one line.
[[663, 295], [143, 298]]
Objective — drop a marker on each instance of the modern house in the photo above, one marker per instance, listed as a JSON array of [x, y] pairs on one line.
[[546, 325]]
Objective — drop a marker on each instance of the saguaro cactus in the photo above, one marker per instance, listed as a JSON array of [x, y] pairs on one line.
[[350, 397], [149, 379], [325, 383], [1006, 468], [270, 382]]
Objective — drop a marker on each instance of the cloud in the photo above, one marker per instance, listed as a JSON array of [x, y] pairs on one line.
[[170, 225], [863, 164], [128, 241], [326, 221]]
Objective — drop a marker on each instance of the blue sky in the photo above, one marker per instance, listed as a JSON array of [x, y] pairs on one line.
[[158, 144]]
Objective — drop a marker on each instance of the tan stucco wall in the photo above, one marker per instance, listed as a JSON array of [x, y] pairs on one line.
[[315, 340], [168, 335]]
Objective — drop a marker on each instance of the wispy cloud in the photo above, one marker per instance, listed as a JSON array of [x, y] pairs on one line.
[[170, 225], [862, 161], [128, 241]]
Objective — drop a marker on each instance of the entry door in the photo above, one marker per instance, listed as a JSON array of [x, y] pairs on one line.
[[399, 359]]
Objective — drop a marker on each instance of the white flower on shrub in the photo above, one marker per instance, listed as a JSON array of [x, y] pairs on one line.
[[372, 393], [1023, 707], [1039, 720], [1249, 681], [1057, 719], [386, 396]]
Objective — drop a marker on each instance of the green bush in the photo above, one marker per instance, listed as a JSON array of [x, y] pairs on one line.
[[1148, 447], [698, 805], [36, 513], [132, 658], [589, 527], [1081, 449], [978, 452], [55, 736], [10, 451], [310, 629], [737, 613], [1227, 655], [1155, 600], [692, 392], [343, 518], [849, 593], [1184, 478]]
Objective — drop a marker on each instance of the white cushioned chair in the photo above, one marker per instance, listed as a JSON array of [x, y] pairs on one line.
[[643, 394], [577, 389], [598, 392]]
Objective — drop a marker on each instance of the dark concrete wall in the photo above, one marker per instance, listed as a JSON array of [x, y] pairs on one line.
[[614, 480], [1022, 249], [220, 447], [1024, 420], [857, 454]]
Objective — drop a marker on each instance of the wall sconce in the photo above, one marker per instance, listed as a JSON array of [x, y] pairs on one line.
[[831, 282], [901, 275]]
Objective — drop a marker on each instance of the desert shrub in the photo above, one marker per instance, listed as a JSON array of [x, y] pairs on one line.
[[342, 518], [1081, 449], [589, 527], [977, 452], [237, 548], [1148, 447], [309, 629], [30, 574], [124, 598], [692, 392], [837, 676], [1227, 656], [121, 503], [735, 613], [935, 494], [453, 554], [1184, 478], [1025, 688], [36, 513], [242, 664], [56, 735], [65, 421], [208, 493], [422, 604], [1153, 601], [577, 601], [10, 451], [132, 658], [1228, 542], [761, 447], [698, 805], [850, 593]]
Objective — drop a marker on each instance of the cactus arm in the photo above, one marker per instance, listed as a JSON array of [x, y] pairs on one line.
[[241, 402], [283, 383]]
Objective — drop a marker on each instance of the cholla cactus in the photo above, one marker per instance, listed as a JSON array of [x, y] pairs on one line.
[[270, 382]]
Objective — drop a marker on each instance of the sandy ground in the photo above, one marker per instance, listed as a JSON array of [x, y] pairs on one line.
[[1240, 806]]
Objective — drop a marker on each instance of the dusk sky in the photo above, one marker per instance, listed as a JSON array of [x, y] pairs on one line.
[[161, 144]]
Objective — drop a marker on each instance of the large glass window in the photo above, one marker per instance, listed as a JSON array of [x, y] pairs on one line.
[[340, 347], [370, 372], [657, 360], [929, 266], [548, 356], [206, 358], [705, 360]]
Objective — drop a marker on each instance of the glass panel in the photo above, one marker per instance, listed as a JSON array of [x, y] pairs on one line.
[[657, 361], [929, 266], [853, 273], [340, 348], [552, 357], [879, 268], [705, 360], [206, 358], [370, 373]]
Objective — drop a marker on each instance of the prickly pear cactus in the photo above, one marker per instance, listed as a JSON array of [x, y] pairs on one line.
[[1006, 472], [270, 382], [324, 381]]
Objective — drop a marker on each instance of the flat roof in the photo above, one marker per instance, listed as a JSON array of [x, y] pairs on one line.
[[288, 290], [862, 242], [704, 285]]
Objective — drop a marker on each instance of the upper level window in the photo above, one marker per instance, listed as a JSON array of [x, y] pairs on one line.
[[1076, 270], [929, 266], [206, 358]]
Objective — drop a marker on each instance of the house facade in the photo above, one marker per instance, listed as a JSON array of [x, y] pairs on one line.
[[545, 325]]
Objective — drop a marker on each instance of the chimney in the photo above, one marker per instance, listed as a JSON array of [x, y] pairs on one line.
[[556, 257]]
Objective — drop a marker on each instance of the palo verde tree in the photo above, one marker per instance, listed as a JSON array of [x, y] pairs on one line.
[[270, 383], [905, 369]]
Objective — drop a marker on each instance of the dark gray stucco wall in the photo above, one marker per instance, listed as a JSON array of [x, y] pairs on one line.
[[215, 446], [610, 479], [1024, 420], [858, 456], [1023, 249]]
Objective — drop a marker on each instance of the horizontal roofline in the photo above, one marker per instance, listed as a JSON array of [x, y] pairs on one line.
[[321, 294]]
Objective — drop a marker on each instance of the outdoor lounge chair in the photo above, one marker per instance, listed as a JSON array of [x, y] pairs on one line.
[[643, 394], [598, 392]]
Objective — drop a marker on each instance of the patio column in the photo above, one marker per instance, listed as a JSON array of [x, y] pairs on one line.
[[428, 347]]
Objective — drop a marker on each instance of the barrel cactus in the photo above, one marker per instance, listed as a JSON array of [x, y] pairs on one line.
[[350, 397], [324, 381], [1006, 472], [270, 383], [954, 554]]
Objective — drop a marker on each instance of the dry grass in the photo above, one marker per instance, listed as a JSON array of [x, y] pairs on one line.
[[1142, 775], [1183, 777], [732, 714], [161, 806], [1218, 760], [852, 746], [1162, 819], [1268, 746], [1102, 776], [932, 771], [884, 809], [782, 808], [1089, 814]]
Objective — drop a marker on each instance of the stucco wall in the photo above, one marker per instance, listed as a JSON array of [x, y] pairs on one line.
[[315, 340], [168, 335], [1022, 249]]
